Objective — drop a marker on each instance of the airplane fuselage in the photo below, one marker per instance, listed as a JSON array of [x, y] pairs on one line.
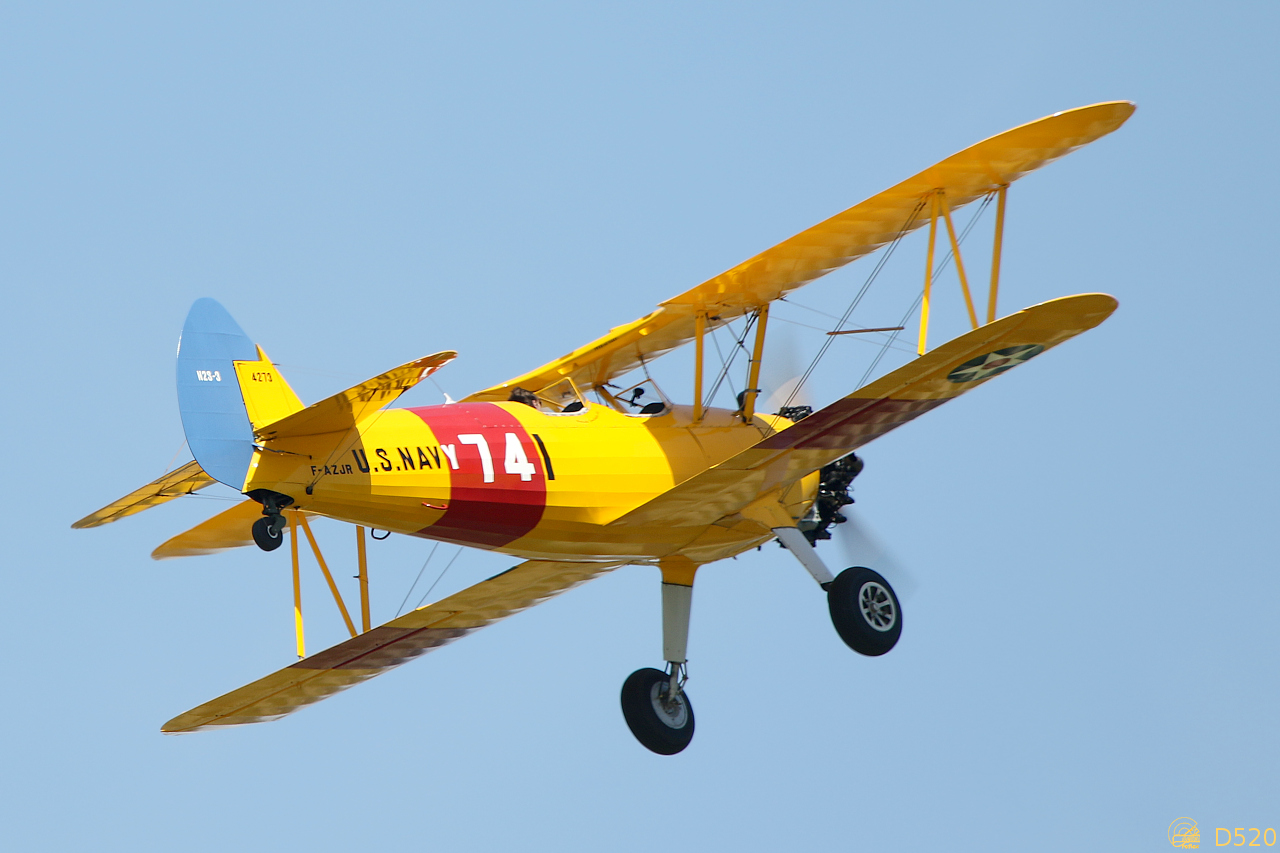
[[512, 478]]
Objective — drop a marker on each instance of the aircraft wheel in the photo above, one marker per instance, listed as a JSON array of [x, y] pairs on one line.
[[661, 726], [268, 535], [865, 611]]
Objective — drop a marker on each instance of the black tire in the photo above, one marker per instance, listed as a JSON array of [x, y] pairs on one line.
[[865, 611], [267, 535], [664, 731]]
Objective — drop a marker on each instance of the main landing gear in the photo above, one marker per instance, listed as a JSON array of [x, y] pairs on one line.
[[654, 703], [865, 611], [657, 709], [864, 608], [268, 531]]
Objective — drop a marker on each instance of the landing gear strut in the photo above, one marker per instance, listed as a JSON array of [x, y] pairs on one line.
[[654, 703], [864, 608]]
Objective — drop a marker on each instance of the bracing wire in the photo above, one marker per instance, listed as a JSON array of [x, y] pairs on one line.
[[795, 304], [915, 305], [880, 264], [738, 345], [716, 341], [192, 496], [169, 467], [438, 577], [885, 349], [443, 393], [866, 339], [724, 365], [418, 578]]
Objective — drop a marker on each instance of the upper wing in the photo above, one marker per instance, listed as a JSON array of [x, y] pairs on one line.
[[386, 647], [860, 230], [868, 413], [344, 410], [183, 481]]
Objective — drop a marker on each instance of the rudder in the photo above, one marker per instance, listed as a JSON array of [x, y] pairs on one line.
[[226, 387]]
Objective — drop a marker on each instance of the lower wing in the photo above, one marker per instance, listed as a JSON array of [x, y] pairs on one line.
[[904, 394], [387, 646]]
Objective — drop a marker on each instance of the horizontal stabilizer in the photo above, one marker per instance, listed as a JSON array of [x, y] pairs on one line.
[[183, 481], [386, 647], [887, 403], [232, 528], [343, 411]]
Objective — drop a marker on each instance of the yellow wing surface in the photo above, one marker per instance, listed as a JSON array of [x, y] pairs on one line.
[[860, 230], [386, 647], [186, 480], [885, 404], [231, 528]]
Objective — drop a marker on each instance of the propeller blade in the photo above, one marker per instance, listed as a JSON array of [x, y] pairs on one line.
[[863, 548], [781, 373]]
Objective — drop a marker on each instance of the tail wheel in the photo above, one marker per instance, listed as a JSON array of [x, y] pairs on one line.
[[865, 611], [662, 723], [268, 532]]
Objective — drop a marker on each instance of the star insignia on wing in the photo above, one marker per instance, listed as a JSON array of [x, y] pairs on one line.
[[993, 363]]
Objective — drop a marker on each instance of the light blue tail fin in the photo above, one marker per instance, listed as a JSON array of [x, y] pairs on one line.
[[213, 410]]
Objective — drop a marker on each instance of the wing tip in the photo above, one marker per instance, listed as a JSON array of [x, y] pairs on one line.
[[182, 725], [1117, 111]]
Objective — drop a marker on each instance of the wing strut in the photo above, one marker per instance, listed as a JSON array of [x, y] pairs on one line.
[[363, 562], [938, 203], [955, 250], [297, 587], [333, 587], [700, 331], [753, 370], [1001, 194], [928, 274], [299, 519]]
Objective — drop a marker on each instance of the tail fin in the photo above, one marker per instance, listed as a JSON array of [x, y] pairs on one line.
[[226, 387], [267, 397]]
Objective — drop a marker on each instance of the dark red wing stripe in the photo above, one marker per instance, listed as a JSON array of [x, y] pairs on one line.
[[849, 423]]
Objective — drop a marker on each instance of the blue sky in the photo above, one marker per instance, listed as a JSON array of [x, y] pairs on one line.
[[1090, 644]]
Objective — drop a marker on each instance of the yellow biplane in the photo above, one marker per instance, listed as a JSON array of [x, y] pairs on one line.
[[576, 476]]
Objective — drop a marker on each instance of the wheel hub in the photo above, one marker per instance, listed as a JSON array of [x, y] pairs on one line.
[[672, 711], [877, 606]]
